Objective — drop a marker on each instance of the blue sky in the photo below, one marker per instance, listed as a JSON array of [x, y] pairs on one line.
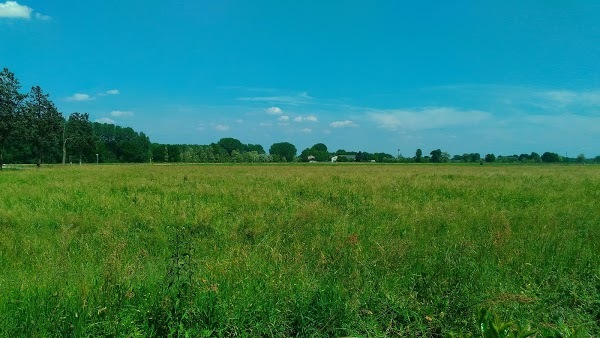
[[497, 77]]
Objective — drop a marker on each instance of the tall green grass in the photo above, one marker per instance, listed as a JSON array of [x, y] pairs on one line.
[[297, 250]]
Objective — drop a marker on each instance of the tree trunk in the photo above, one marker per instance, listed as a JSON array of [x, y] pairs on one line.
[[64, 144]]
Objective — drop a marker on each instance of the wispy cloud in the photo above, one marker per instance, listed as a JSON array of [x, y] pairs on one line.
[[297, 99], [80, 97], [343, 124], [306, 130], [110, 92], [13, 10], [88, 97], [105, 120], [43, 17], [426, 118], [570, 97], [309, 118], [274, 111], [283, 118], [222, 127], [121, 113]]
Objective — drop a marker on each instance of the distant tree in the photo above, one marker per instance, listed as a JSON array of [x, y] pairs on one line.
[[304, 155], [231, 144], [319, 147], [10, 104], [359, 157], [524, 158], [43, 123], [474, 157], [254, 147], [535, 157], [78, 130], [236, 156], [319, 151], [436, 156], [490, 158], [445, 158], [284, 150], [220, 154], [383, 157], [597, 159], [252, 156], [418, 156], [581, 158], [549, 157], [457, 158], [160, 153]]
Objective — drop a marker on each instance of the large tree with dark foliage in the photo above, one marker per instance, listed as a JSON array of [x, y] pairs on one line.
[[284, 150], [418, 156], [10, 104], [42, 124], [549, 157], [231, 144], [436, 156]]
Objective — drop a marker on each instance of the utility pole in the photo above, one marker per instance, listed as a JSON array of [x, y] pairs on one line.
[[398, 157]]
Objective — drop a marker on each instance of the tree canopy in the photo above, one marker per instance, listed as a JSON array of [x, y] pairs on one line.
[[284, 150]]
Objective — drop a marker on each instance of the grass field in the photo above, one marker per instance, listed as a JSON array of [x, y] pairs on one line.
[[298, 250]]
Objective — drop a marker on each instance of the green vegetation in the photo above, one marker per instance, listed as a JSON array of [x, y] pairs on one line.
[[299, 250]]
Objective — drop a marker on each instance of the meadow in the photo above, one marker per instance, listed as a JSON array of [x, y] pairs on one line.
[[298, 250]]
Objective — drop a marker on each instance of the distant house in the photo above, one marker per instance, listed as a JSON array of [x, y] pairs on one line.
[[311, 158], [334, 159]]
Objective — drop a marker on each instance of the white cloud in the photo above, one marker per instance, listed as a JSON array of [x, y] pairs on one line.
[[221, 127], [105, 120], [306, 130], [239, 121], [80, 97], [43, 17], [274, 111], [120, 113], [342, 124], [427, 118], [11, 9], [283, 118], [309, 118]]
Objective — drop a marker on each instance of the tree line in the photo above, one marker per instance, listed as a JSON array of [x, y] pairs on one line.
[[32, 130]]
